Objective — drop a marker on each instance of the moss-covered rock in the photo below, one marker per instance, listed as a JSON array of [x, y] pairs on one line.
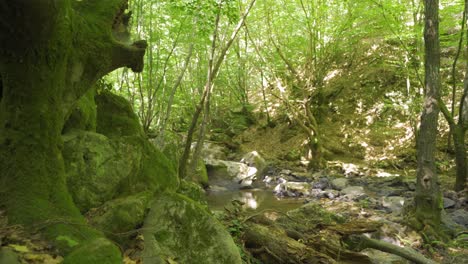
[[121, 215], [200, 175], [100, 251], [115, 116], [96, 167], [116, 163], [84, 116], [179, 229], [100, 169], [193, 191]]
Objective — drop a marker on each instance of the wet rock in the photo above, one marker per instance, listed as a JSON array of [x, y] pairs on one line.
[[317, 193], [339, 184], [353, 190], [448, 203], [323, 183], [222, 169], [331, 194], [460, 217], [394, 204], [292, 189]]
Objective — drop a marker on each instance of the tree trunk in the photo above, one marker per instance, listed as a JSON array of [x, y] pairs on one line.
[[56, 51], [460, 157], [427, 197]]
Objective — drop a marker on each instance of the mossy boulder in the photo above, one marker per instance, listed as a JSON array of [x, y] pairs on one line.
[[84, 116], [115, 116], [121, 215], [100, 169], [193, 191], [96, 167], [99, 250], [117, 161], [179, 229], [200, 175]]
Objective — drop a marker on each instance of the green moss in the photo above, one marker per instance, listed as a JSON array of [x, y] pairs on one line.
[[200, 175], [193, 191], [115, 116], [84, 116], [156, 170], [179, 228], [121, 215], [99, 250]]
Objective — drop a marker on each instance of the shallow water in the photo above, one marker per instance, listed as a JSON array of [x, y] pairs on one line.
[[256, 199]]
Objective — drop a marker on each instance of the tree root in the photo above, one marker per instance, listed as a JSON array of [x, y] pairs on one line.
[[360, 242]]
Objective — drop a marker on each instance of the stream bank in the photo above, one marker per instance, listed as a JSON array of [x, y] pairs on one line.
[[356, 195]]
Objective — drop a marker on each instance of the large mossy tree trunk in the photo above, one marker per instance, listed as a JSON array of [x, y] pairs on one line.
[[427, 197], [51, 53]]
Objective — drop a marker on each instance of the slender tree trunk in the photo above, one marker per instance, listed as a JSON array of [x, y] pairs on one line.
[[460, 157], [211, 76], [428, 204]]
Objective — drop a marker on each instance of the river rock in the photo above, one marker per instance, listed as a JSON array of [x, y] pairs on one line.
[[354, 192], [223, 169], [177, 228], [323, 183], [460, 217], [339, 184], [331, 194], [292, 189], [448, 203], [393, 203]]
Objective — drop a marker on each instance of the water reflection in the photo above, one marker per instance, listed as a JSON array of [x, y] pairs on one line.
[[252, 199]]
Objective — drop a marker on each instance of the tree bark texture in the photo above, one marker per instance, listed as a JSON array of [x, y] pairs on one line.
[[428, 198]]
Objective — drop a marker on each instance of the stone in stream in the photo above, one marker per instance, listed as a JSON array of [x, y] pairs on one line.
[[354, 193], [339, 183], [292, 189], [323, 183]]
